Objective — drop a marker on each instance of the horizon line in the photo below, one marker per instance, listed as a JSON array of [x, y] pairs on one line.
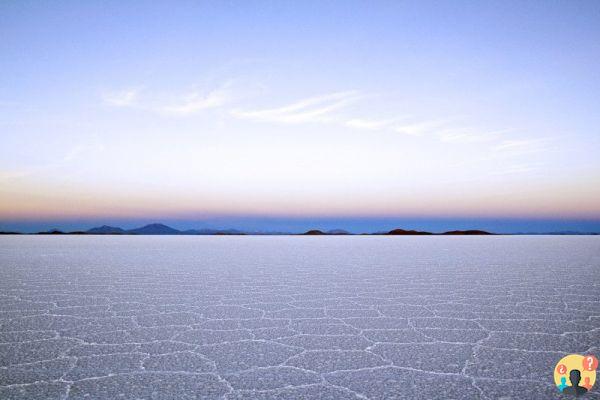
[[168, 230]]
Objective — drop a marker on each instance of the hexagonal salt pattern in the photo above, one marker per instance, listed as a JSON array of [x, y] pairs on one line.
[[103, 317]]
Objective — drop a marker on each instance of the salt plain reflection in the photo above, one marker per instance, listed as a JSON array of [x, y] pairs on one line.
[[290, 317]]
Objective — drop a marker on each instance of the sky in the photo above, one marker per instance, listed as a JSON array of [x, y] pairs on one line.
[[270, 115]]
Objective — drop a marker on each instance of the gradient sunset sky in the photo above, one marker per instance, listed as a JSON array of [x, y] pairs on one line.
[[283, 115]]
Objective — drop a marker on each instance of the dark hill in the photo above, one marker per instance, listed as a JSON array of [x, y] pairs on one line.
[[407, 232], [338, 232], [154, 229], [105, 230], [52, 232], [314, 232]]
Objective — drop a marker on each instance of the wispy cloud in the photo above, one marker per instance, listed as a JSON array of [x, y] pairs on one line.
[[331, 108], [309, 110], [178, 106], [521, 146], [195, 102], [77, 154], [121, 98], [466, 136]]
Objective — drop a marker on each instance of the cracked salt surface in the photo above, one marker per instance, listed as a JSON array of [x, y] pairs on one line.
[[294, 317]]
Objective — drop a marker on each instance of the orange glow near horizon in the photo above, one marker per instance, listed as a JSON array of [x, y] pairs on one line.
[[35, 202]]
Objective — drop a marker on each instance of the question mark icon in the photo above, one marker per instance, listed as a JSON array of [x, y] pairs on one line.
[[590, 363]]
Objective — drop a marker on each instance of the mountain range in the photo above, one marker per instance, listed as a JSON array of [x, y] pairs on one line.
[[403, 232], [161, 229]]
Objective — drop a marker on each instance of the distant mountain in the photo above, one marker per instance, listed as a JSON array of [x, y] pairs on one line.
[[105, 230], [406, 232], [337, 232], [154, 229], [314, 232], [468, 232], [457, 232], [330, 232], [52, 232]]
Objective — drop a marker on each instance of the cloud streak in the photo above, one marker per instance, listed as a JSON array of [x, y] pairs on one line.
[[330, 108], [196, 102], [122, 98], [310, 110], [516, 147], [77, 154], [466, 136], [182, 106]]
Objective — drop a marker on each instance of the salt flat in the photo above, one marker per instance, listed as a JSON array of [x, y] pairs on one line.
[[105, 317]]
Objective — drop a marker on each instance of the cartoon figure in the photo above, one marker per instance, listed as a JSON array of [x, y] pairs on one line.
[[575, 374], [563, 383], [575, 377]]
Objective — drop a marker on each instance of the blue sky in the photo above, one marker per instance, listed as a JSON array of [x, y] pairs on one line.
[[263, 114]]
